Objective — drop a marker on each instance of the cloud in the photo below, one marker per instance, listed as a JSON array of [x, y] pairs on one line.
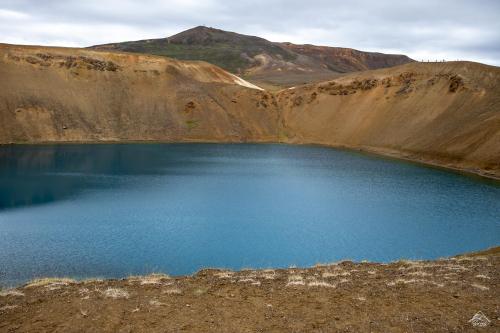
[[425, 29]]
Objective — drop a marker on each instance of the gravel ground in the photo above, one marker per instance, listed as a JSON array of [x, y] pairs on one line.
[[458, 294]]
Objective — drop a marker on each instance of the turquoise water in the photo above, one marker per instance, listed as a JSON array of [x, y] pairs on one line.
[[115, 210]]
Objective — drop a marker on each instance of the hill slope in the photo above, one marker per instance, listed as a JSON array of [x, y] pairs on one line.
[[62, 94], [441, 113], [282, 64]]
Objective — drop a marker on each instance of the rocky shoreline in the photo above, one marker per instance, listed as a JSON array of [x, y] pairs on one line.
[[459, 294]]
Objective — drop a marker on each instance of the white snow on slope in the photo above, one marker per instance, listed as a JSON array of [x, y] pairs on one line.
[[244, 83]]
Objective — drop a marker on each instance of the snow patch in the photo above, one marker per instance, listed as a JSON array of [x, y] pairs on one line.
[[244, 83]]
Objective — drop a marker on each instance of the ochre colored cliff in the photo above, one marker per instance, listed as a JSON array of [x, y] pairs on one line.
[[442, 113], [61, 94]]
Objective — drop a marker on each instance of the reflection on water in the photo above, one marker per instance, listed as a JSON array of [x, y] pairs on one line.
[[40, 174], [115, 210]]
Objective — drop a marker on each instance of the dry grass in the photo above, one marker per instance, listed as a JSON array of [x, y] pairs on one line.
[[419, 273], [326, 275], [92, 280], [252, 281], [11, 292], [295, 280], [224, 275], [321, 284], [155, 302], [155, 278], [172, 291], [7, 307], [480, 286], [116, 293], [268, 274], [295, 277], [411, 281], [295, 283], [458, 268], [49, 282]]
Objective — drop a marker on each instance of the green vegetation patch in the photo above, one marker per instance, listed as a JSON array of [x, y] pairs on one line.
[[192, 124]]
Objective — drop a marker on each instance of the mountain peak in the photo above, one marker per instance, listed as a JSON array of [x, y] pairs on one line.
[[207, 35], [280, 64]]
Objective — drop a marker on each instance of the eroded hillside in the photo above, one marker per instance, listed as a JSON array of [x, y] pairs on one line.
[[441, 113], [60, 94]]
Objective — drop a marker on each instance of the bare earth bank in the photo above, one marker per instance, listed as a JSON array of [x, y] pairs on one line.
[[458, 294]]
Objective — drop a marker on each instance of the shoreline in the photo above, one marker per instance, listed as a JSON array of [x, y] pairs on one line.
[[493, 250], [372, 151], [423, 296]]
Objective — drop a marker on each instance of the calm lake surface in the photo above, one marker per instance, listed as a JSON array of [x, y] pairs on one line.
[[115, 210]]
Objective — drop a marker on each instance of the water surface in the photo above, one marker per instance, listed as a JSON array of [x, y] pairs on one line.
[[115, 210]]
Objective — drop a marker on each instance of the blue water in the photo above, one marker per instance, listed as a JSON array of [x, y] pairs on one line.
[[115, 210]]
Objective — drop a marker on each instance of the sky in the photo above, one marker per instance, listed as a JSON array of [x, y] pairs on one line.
[[423, 30]]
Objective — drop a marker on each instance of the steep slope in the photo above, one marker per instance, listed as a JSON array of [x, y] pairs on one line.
[[62, 94], [446, 114], [259, 60], [440, 113]]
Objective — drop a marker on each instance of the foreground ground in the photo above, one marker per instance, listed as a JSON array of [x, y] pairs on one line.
[[406, 296]]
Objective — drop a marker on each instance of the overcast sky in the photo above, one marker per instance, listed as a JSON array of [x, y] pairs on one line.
[[423, 29]]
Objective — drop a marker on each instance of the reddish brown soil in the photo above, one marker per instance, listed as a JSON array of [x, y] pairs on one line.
[[430, 296]]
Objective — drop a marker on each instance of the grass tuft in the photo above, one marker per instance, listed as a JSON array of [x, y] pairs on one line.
[[11, 292], [155, 278], [116, 293], [49, 282]]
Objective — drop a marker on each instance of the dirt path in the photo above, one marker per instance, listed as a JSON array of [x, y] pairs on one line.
[[431, 296]]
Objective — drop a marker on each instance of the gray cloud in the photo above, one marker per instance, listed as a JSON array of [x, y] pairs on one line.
[[424, 29]]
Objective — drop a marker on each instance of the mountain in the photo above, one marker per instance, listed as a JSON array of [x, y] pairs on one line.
[[447, 114], [259, 60]]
